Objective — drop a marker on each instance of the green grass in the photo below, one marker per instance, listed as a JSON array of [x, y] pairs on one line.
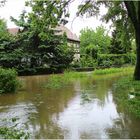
[[124, 70], [127, 93], [63, 80]]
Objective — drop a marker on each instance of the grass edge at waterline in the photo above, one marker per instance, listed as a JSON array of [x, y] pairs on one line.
[[127, 93], [124, 70]]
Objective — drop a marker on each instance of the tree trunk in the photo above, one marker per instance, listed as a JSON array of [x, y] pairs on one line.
[[137, 67]]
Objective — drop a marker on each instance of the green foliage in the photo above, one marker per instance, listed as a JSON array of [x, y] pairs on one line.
[[37, 45], [112, 60], [4, 35], [125, 70], [8, 80], [3, 27], [127, 92], [125, 17], [12, 133], [56, 82], [120, 43], [116, 12], [98, 50], [106, 60], [93, 42], [88, 62]]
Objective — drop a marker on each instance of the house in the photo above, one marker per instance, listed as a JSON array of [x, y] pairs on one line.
[[13, 31], [72, 39]]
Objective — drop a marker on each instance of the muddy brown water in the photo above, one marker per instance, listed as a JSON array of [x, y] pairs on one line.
[[86, 109]]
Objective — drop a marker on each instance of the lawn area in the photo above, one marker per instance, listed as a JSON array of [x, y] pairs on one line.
[[124, 70], [127, 92]]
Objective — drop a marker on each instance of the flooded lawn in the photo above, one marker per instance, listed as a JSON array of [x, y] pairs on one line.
[[86, 109]]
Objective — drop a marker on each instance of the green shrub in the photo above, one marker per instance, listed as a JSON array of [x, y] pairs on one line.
[[106, 60], [8, 80], [110, 60], [130, 58], [88, 62], [84, 62]]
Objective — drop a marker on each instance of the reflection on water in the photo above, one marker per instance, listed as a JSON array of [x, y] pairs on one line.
[[90, 120], [86, 109]]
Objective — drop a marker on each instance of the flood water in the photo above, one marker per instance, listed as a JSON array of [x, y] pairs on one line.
[[87, 109]]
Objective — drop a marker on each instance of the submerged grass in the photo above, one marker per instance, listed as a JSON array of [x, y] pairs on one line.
[[11, 132], [124, 70], [127, 92], [63, 80]]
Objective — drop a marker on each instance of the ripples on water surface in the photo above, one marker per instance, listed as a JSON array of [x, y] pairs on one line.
[[87, 109]]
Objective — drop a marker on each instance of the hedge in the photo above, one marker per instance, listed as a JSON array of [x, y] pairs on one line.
[[110, 60]]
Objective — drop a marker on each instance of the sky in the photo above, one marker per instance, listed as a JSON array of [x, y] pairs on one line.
[[75, 24]]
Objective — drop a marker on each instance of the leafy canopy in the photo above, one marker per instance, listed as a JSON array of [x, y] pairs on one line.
[[37, 45], [94, 40]]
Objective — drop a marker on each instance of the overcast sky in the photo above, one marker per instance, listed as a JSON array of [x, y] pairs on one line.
[[15, 7]]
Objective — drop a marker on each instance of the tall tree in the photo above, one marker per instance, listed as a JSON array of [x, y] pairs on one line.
[[91, 40], [3, 28], [37, 45], [127, 12], [133, 9], [41, 43]]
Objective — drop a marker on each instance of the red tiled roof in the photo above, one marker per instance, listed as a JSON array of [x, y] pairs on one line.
[[13, 31], [62, 29]]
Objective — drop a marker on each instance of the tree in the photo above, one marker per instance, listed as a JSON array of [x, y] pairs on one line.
[[10, 54], [127, 12], [3, 29], [2, 3], [133, 9], [36, 46], [120, 44], [94, 41]]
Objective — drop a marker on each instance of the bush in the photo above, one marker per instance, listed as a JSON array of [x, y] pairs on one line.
[[85, 62], [8, 81], [106, 60], [131, 58], [110, 60], [88, 62]]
